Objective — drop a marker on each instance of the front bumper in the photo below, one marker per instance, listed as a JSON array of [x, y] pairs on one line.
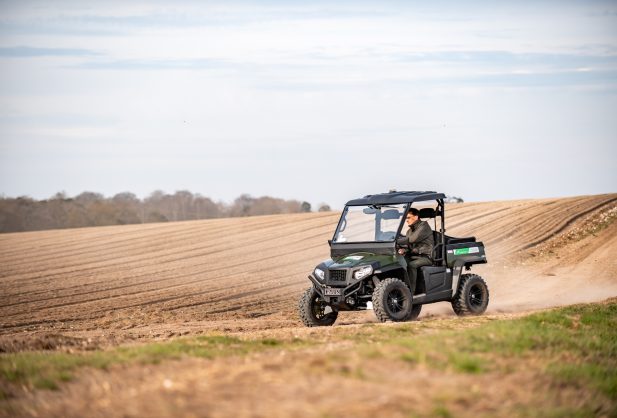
[[347, 290]]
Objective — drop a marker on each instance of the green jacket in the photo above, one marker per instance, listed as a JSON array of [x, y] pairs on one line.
[[421, 240]]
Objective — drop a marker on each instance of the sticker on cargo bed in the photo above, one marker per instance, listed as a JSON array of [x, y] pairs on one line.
[[354, 257], [471, 250]]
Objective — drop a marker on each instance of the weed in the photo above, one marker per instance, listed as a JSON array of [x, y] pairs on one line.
[[441, 411], [466, 363]]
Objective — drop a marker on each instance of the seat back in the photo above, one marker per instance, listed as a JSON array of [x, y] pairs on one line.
[[426, 213], [437, 253]]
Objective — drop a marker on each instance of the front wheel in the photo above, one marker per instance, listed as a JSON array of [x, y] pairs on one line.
[[314, 311], [415, 312], [471, 297], [392, 300]]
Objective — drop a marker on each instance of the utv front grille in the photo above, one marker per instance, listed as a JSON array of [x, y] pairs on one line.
[[338, 275]]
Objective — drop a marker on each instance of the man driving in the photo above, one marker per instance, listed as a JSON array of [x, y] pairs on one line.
[[420, 237]]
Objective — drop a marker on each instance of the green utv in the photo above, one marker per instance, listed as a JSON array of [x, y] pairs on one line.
[[366, 269]]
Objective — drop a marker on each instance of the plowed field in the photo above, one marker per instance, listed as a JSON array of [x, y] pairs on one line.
[[116, 284], [73, 302]]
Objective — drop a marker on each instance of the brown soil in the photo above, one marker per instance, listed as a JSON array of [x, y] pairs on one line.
[[97, 287]]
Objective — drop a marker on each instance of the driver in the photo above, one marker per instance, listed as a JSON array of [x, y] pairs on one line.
[[420, 236]]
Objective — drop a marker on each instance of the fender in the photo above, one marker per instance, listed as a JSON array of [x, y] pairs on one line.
[[457, 269], [396, 267]]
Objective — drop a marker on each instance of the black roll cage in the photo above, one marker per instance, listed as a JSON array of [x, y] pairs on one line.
[[439, 211]]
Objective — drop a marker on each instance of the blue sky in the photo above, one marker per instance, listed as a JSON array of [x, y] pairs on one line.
[[319, 101]]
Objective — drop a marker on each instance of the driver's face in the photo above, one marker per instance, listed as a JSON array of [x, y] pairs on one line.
[[411, 218]]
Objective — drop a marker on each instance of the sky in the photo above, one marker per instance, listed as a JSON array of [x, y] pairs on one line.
[[323, 101]]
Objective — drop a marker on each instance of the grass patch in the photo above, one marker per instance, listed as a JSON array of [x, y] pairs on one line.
[[45, 370], [601, 377], [441, 411], [466, 363], [559, 412], [572, 348], [585, 335]]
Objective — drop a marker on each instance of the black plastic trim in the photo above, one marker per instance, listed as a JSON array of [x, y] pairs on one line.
[[424, 299], [384, 248], [395, 198]]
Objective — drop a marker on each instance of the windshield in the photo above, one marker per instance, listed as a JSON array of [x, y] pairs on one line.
[[369, 223]]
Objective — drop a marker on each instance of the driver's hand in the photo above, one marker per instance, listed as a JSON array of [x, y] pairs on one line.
[[401, 251]]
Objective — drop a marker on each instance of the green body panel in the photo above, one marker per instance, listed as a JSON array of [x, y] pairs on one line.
[[465, 252]]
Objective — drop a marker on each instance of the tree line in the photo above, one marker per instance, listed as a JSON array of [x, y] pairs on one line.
[[94, 209]]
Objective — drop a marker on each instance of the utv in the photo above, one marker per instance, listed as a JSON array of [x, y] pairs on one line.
[[366, 269]]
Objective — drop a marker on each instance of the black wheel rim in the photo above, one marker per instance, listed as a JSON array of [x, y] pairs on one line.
[[319, 309], [476, 296], [395, 301]]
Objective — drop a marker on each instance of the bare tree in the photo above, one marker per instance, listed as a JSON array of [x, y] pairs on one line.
[[94, 209]]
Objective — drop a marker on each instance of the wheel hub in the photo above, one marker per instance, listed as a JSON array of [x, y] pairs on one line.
[[476, 296], [396, 301]]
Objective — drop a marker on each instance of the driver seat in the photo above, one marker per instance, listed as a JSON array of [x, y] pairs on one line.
[[436, 253]]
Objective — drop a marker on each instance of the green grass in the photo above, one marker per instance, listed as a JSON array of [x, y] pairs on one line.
[[573, 348], [45, 370], [585, 335], [441, 411]]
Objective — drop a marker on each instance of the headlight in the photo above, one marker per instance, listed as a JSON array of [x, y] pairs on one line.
[[319, 273], [363, 272]]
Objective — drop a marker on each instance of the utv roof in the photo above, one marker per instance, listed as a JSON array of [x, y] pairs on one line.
[[395, 197]]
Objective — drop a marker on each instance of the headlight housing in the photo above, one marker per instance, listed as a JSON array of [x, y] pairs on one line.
[[320, 274], [363, 272]]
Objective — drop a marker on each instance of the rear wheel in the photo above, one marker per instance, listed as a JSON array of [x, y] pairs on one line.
[[471, 297], [392, 300], [314, 311]]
